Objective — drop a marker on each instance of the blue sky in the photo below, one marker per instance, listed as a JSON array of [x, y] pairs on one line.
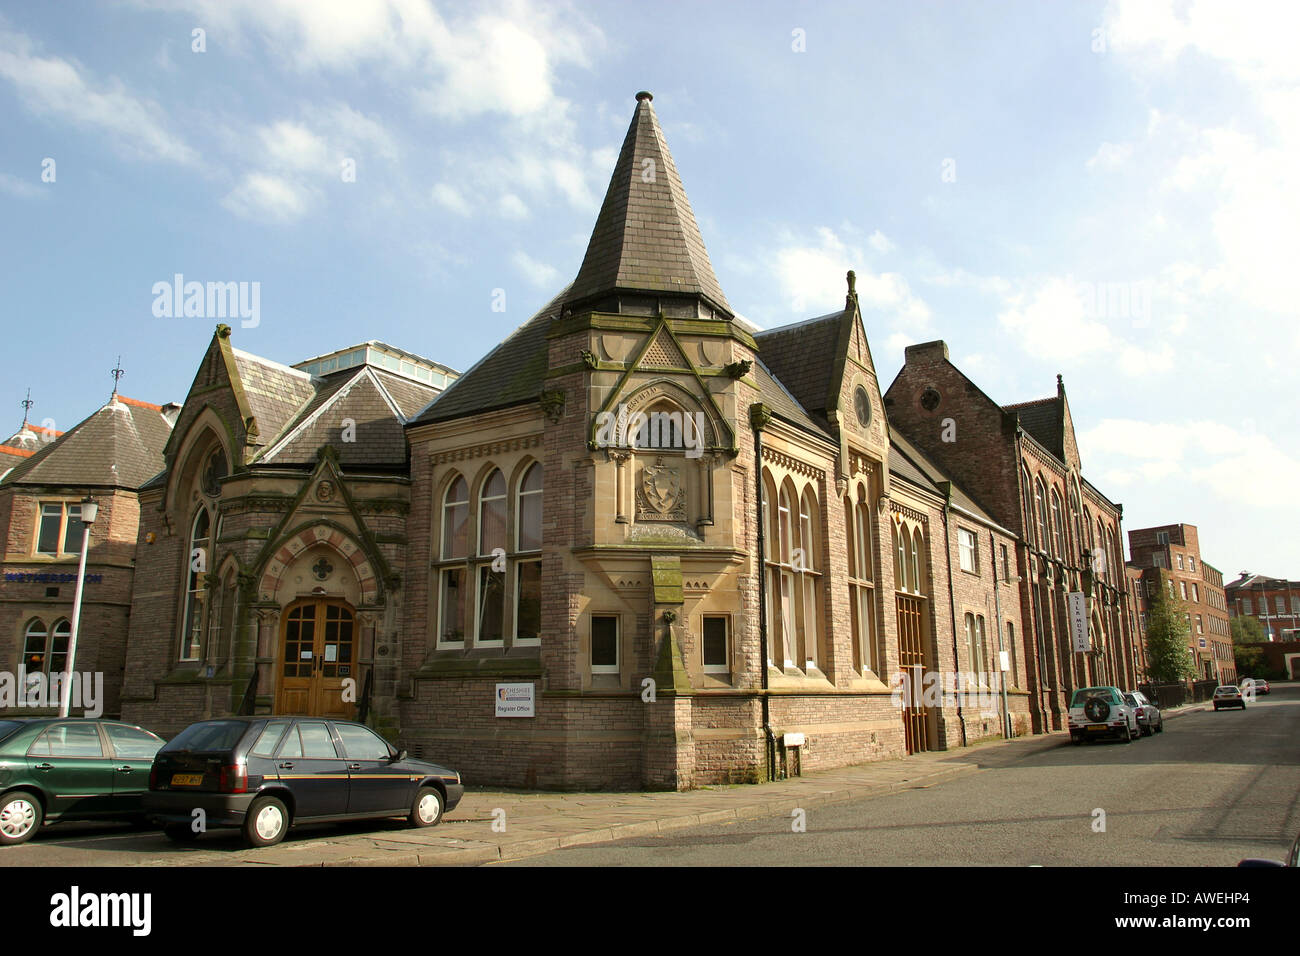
[[1105, 190]]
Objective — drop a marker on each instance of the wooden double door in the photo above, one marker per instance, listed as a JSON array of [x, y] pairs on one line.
[[912, 662], [318, 671]]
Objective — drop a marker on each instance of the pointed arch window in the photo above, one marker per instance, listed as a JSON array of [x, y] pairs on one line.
[[492, 543], [794, 579], [45, 652], [197, 558], [1040, 514], [528, 571], [1058, 528], [455, 545], [862, 605]]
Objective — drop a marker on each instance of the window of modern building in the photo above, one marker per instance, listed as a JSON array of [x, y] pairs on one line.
[[1196, 593], [1182, 588], [1246, 606], [1178, 559], [1281, 605], [1191, 563], [1199, 629]]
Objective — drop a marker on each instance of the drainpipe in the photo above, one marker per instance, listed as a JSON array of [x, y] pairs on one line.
[[997, 609], [759, 416], [946, 486]]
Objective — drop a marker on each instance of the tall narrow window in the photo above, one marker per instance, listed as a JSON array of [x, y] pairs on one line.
[[73, 530], [1058, 533], [967, 553], [196, 588], [492, 575], [604, 644], [1013, 677], [810, 580], [1040, 514], [528, 570], [914, 543], [455, 544], [861, 591], [715, 649]]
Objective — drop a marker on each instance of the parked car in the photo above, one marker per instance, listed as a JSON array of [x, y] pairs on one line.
[[1150, 720], [1228, 695], [54, 769], [1097, 712], [1292, 858], [267, 774], [1255, 685]]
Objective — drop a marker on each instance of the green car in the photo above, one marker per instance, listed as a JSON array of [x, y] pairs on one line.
[[55, 769]]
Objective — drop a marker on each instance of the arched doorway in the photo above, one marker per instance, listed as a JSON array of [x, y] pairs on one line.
[[318, 659]]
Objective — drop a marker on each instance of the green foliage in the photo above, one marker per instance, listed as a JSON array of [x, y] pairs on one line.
[[1250, 660], [1167, 631], [1248, 630]]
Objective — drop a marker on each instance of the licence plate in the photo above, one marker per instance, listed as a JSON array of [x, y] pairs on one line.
[[1097, 727], [187, 779]]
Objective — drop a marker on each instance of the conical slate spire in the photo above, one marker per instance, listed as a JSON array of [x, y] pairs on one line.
[[646, 239]]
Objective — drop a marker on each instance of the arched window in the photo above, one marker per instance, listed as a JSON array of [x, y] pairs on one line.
[[1058, 528], [857, 522], [901, 562], [1040, 514], [492, 514], [452, 590], [1013, 677], [1027, 487], [791, 558], [45, 652], [528, 573], [200, 553], [492, 574], [455, 523], [810, 609]]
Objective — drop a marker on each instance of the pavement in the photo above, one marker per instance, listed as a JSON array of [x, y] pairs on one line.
[[492, 825]]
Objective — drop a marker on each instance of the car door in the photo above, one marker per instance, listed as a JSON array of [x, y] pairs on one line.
[[72, 766], [132, 757], [375, 782], [315, 772]]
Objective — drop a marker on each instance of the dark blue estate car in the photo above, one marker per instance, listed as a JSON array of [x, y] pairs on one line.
[[266, 774]]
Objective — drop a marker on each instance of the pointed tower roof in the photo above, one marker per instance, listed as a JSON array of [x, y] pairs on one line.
[[646, 239]]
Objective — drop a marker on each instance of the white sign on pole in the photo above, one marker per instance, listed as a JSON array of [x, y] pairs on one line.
[[515, 700], [1079, 621], [1004, 661]]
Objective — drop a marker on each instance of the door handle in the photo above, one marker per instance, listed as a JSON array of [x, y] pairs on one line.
[[125, 768], [45, 766], [287, 765], [354, 766]]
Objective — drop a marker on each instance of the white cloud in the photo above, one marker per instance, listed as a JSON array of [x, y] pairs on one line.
[[880, 242], [21, 188], [52, 87], [538, 273], [1111, 156], [449, 198], [262, 197], [510, 206]]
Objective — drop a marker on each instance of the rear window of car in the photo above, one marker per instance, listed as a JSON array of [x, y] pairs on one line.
[[1226, 690], [1081, 697], [209, 736]]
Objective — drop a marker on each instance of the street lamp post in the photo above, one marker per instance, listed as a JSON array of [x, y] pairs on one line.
[[89, 512]]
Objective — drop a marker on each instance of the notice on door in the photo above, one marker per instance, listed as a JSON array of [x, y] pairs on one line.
[[515, 700]]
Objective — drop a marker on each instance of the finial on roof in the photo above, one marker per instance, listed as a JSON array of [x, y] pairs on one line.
[[117, 373], [27, 404], [1060, 385], [644, 95], [223, 331]]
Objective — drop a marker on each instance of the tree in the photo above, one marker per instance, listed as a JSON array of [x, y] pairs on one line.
[[1168, 659], [1248, 630]]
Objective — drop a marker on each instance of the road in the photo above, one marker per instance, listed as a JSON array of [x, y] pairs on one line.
[[1213, 788]]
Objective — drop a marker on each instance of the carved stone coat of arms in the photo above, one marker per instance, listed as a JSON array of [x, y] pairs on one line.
[[660, 495]]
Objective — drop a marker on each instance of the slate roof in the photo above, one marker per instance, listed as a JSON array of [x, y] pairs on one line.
[[646, 237], [120, 446], [511, 374], [365, 396], [30, 437], [802, 356], [783, 404], [1045, 420], [275, 392]]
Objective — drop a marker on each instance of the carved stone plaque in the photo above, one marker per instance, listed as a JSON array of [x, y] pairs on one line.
[[660, 495]]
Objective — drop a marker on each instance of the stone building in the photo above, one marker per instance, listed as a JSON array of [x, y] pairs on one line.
[[107, 457], [273, 538], [1021, 462], [1176, 549]]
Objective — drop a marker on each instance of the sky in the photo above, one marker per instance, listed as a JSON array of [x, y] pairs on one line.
[[1105, 190]]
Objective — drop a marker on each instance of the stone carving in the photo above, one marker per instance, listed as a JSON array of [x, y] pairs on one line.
[[660, 495]]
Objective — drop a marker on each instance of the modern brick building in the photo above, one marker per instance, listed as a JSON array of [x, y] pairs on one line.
[[684, 545], [1175, 549], [107, 457], [1021, 462], [1274, 602]]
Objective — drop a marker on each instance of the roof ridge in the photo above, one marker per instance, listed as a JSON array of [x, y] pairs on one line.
[[795, 325], [136, 401]]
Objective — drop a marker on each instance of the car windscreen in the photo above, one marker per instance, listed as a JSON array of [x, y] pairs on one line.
[[209, 736]]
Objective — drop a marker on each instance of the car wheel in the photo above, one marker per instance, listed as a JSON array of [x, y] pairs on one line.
[[180, 833], [266, 822], [20, 817], [1160, 727], [426, 810]]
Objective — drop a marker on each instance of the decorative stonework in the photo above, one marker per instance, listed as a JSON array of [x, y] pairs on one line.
[[785, 461], [490, 448], [325, 491], [907, 512], [660, 494]]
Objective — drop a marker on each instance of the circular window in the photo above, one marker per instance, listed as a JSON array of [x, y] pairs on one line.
[[930, 399], [862, 405]]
